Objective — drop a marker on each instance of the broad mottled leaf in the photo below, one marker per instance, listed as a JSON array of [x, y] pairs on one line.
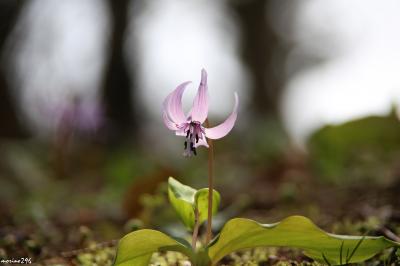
[[295, 232], [185, 199], [137, 247]]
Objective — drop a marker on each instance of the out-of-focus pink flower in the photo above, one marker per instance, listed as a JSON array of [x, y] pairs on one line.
[[190, 125], [81, 118]]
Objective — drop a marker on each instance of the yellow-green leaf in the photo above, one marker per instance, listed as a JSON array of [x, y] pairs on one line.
[[185, 200], [137, 247], [201, 201], [296, 232], [182, 200]]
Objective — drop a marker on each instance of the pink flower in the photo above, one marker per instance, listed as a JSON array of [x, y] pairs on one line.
[[80, 117], [190, 125]]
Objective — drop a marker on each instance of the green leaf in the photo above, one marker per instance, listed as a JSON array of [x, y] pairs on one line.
[[182, 199], [295, 232], [201, 201], [185, 200], [137, 247]]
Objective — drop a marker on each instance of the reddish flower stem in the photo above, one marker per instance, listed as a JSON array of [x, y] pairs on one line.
[[210, 185]]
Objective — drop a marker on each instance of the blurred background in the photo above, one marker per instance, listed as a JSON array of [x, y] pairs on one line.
[[84, 155]]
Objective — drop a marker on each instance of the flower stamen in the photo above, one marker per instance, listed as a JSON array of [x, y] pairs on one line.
[[194, 133]]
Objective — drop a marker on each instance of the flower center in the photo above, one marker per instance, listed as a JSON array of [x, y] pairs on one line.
[[194, 133]]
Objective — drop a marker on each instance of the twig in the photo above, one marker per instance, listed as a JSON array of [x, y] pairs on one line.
[[325, 259], [354, 250], [390, 234], [341, 251]]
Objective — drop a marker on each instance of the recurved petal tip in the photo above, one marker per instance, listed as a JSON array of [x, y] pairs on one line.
[[223, 129], [203, 76]]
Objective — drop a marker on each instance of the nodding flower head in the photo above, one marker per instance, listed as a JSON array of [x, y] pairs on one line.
[[191, 126]]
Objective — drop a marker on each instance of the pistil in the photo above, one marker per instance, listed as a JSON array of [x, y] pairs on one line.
[[194, 133]]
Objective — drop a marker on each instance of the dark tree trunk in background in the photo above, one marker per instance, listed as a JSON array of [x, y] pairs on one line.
[[261, 49], [117, 90], [10, 125]]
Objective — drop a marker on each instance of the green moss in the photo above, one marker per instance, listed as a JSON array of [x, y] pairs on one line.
[[101, 257]]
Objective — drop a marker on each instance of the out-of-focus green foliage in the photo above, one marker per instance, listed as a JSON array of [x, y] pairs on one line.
[[361, 150], [267, 140]]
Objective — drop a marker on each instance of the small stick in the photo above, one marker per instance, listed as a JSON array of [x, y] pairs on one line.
[[390, 234]]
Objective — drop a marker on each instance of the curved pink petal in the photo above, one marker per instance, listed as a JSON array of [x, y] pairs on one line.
[[189, 115], [168, 123], [200, 103], [223, 129], [172, 105]]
